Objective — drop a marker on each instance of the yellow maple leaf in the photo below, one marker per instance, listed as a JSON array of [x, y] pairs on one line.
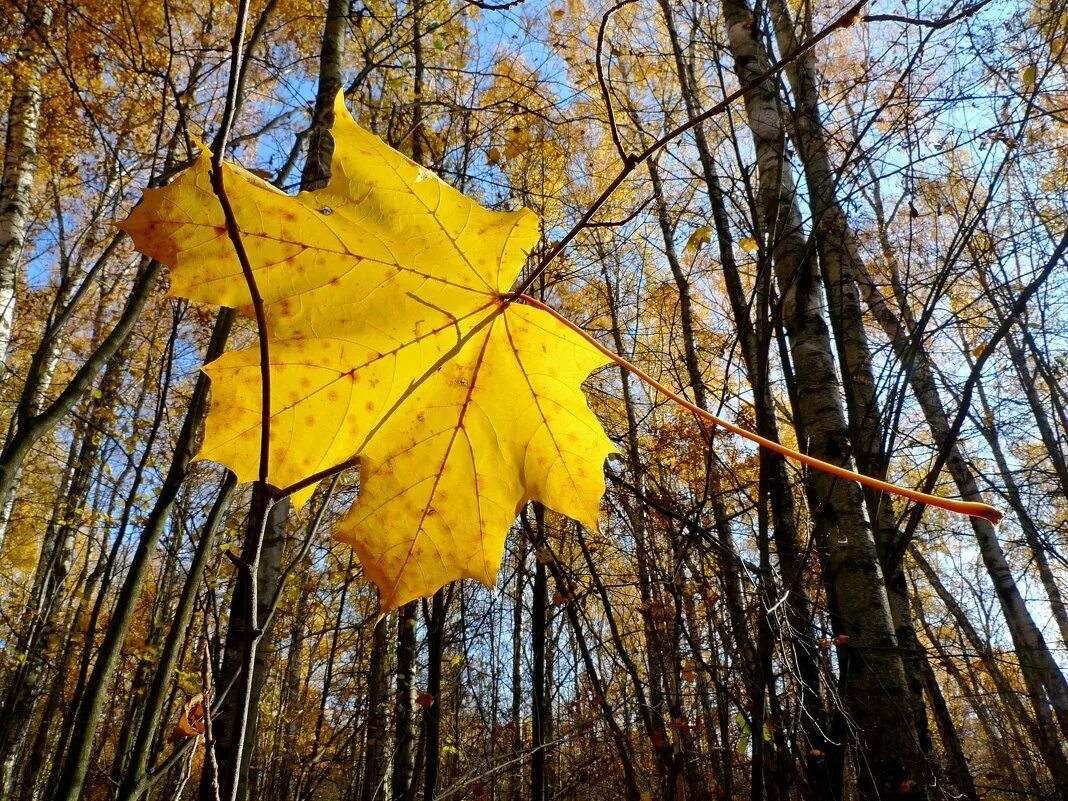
[[391, 339]]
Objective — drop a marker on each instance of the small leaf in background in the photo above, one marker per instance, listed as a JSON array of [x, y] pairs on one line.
[[191, 721], [699, 238], [1028, 76], [748, 244]]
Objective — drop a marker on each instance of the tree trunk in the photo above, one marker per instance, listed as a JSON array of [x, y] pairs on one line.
[[243, 661], [377, 752], [404, 705], [753, 331], [891, 763], [539, 701], [316, 172], [76, 762], [435, 640], [839, 263], [131, 782], [20, 164]]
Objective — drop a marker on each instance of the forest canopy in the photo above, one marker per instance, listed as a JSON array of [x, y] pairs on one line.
[[837, 226]]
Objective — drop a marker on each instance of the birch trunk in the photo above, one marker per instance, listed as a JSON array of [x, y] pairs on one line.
[[890, 761], [839, 262], [376, 760], [20, 163], [235, 739]]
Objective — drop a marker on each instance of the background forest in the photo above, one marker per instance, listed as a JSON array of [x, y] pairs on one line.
[[861, 255]]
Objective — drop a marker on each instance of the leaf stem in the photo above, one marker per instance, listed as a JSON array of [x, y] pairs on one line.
[[970, 508]]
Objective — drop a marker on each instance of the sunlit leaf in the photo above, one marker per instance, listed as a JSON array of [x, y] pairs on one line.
[[391, 340]]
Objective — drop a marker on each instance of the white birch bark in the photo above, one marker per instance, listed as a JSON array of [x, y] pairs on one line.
[[20, 165]]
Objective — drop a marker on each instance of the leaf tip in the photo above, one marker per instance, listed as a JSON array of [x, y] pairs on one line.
[[339, 102]]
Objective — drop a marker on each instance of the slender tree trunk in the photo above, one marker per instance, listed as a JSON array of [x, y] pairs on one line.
[[35, 640], [539, 702], [959, 772], [754, 335], [516, 717], [234, 737], [376, 761], [654, 709], [227, 728], [306, 788], [404, 704], [839, 263], [286, 765], [76, 762], [619, 738], [435, 640], [131, 782]]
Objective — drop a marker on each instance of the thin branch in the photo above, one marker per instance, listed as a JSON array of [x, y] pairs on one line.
[[602, 80], [494, 6], [945, 22]]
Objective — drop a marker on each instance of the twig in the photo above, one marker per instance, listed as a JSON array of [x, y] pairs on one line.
[[494, 6], [603, 81]]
